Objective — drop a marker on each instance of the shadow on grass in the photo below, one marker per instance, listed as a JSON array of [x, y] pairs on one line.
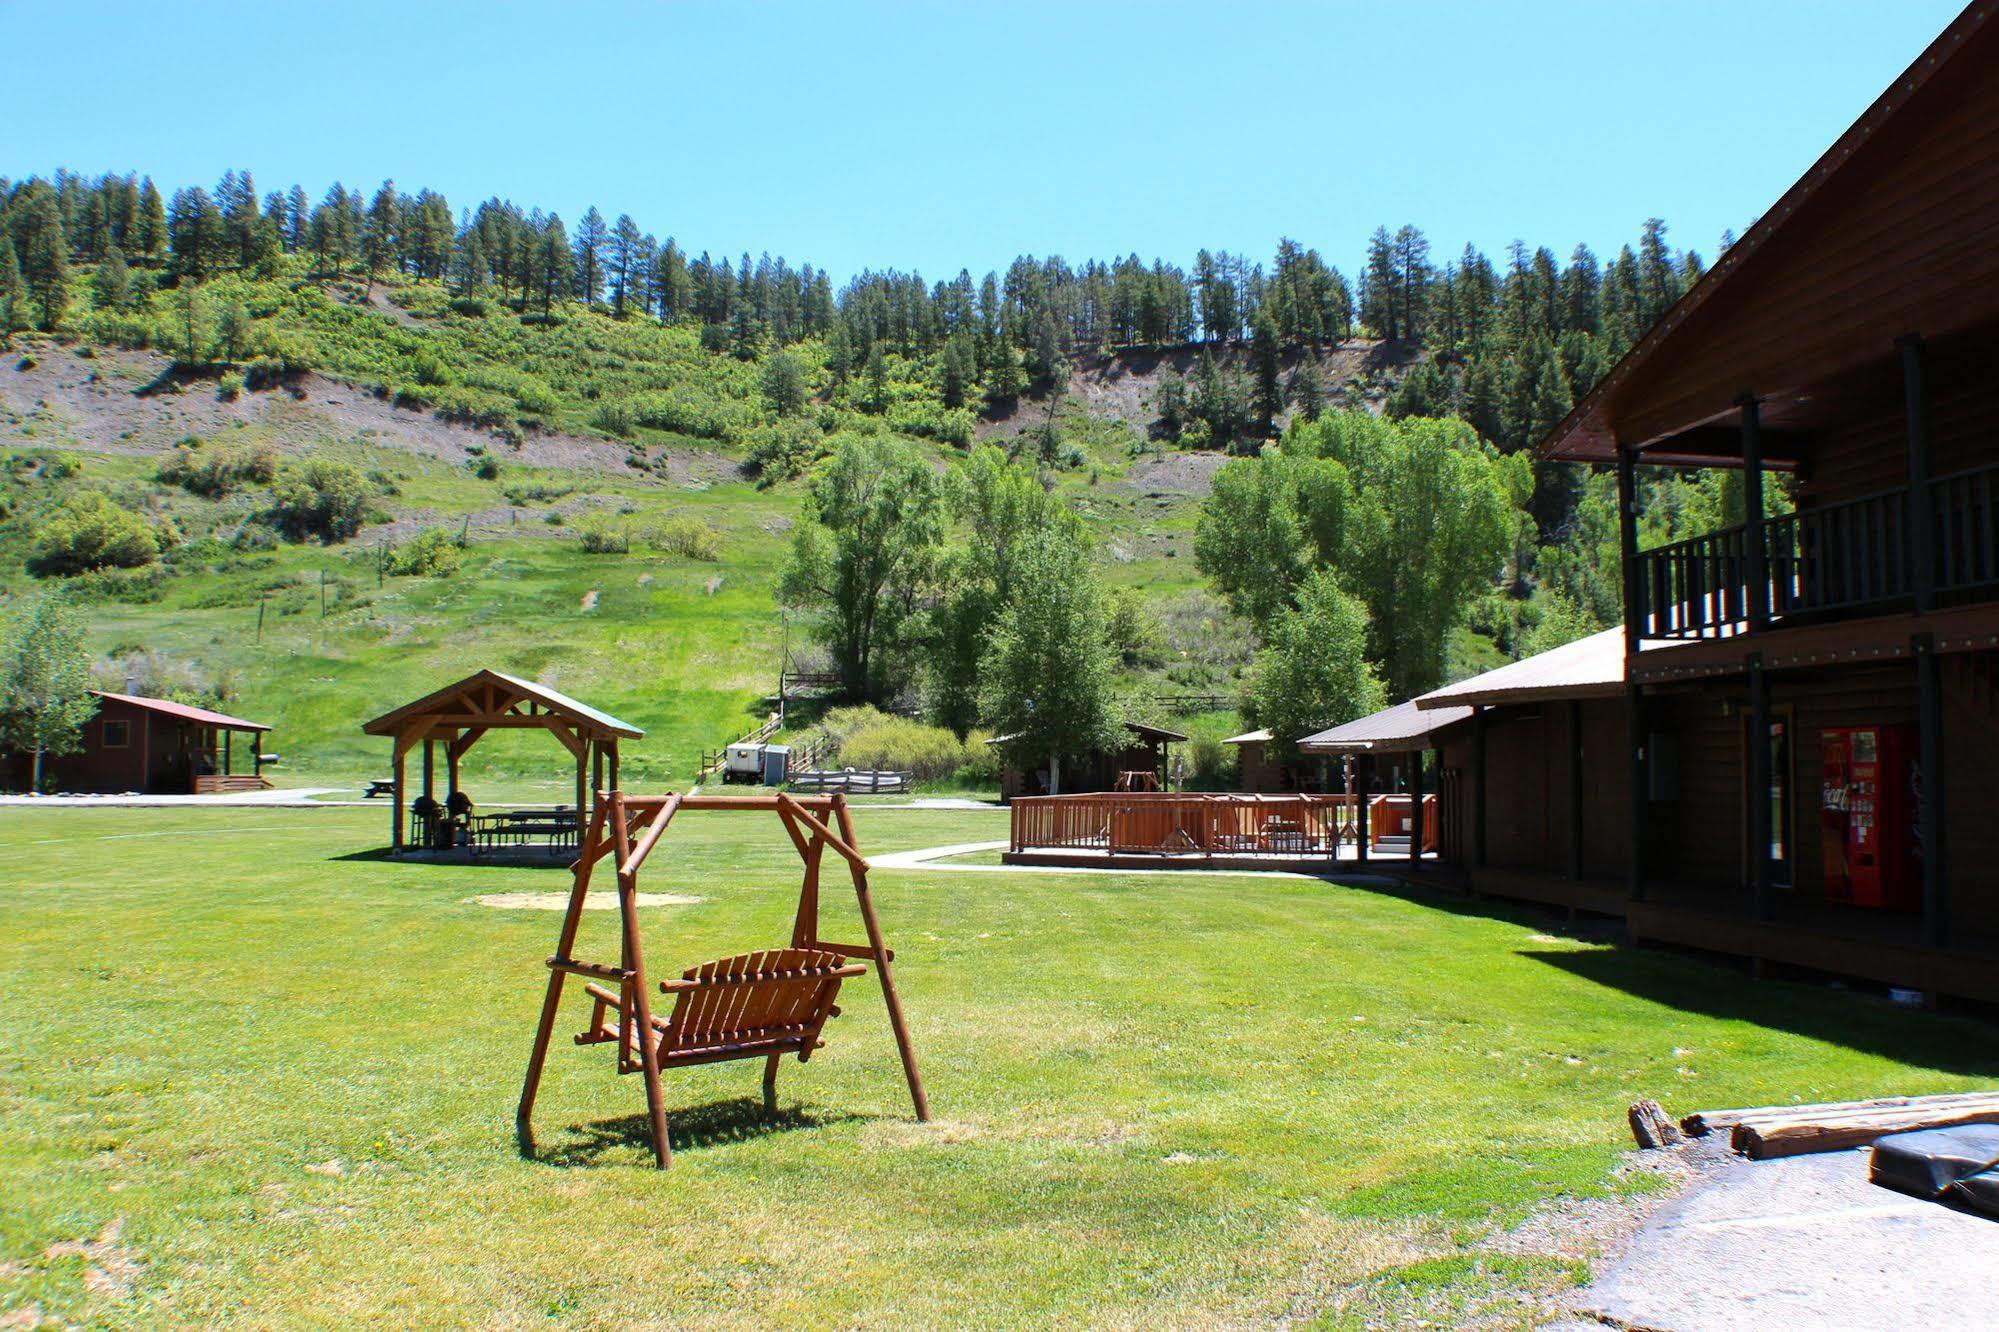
[[560, 860], [718, 1123], [1950, 1044]]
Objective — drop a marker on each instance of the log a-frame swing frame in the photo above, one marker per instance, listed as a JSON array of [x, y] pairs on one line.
[[758, 1005]]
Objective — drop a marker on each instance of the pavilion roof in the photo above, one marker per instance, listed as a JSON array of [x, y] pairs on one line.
[[496, 691]]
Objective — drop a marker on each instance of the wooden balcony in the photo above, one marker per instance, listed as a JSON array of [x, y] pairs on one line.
[[1851, 559]]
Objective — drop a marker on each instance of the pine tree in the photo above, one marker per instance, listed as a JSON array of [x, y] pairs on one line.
[[111, 288], [1265, 365], [151, 241], [13, 291], [298, 212], [378, 233], [1380, 306], [44, 258], [554, 273], [626, 246], [1307, 390], [591, 238]]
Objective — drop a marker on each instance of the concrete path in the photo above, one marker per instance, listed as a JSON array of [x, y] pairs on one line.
[[1801, 1243], [297, 797]]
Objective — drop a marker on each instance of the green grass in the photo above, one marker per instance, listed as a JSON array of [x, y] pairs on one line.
[[1161, 1101], [683, 648]]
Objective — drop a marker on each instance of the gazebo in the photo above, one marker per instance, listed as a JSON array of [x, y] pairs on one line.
[[459, 714]]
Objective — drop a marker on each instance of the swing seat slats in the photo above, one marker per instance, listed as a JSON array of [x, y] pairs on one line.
[[755, 1004]]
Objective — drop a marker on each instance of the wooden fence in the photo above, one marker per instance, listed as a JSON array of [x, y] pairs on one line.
[[1185, 824]]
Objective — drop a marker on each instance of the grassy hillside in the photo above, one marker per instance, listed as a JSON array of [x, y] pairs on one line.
[[480, 423]]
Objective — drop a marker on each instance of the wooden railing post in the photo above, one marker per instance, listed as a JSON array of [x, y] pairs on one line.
[[1756, 553], [1634, 706]]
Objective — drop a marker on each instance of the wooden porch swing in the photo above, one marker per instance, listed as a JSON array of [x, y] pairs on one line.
[[755, 1005]]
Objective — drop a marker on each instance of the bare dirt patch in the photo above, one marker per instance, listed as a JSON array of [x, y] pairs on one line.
[[605, 901], [122, 402]]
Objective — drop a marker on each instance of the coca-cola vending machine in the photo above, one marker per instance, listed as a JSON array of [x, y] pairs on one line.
[[1867, 815]]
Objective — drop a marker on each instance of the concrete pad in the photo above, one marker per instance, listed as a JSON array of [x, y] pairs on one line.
[[296, 797], [1804, 1242]]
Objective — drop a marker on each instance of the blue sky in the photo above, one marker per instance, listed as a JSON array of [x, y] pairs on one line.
[[942, 136]]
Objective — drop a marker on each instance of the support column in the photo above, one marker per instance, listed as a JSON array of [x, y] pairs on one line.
[[1922, 514], [1363, 790], [1634, 702], [1757, 780], [1478, 722], [614, 765], [582, 774], [227, 749], [396, 798], [452, 754], [429, 768], [1756, 550], [1930, 799], [1575, 788], [1416, 809]]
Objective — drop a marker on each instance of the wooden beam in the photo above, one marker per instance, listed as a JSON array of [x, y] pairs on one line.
[[650, 838], [820, 830]]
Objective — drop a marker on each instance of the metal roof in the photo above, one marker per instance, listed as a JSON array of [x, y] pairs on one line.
[[169, 708], [1394, 730], [1256, 737], [1591, 667], [1139, 729], [555, 701], [1589, 433]]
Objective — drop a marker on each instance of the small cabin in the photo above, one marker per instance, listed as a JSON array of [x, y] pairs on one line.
[[155, 746], [1147, 750]]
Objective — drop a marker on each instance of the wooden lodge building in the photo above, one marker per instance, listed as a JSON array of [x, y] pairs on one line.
[[1147, 750], [1789, 749], [154, 746]]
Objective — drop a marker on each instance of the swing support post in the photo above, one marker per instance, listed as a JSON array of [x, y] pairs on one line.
[[781, 997]]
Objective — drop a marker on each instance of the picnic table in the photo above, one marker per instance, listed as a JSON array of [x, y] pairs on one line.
[[555, 827], [379, 786]]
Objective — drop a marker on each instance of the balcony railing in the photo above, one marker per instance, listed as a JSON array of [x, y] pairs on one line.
[[1824, 562]]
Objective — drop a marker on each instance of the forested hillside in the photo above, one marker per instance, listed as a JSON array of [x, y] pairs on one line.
[[590, 407]]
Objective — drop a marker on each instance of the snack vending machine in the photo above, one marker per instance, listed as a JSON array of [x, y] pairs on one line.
[[1867, 814]]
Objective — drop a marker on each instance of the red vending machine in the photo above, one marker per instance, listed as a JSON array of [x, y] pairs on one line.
[[1867, 816]]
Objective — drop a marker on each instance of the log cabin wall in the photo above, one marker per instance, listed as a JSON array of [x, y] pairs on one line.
[[1604, 783], [1524, 747], [1866, 451], [1971, 758]]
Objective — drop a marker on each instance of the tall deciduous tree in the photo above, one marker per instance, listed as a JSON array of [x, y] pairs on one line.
[[862, 557], [1313, 670], [1047, 680], [45, 698]]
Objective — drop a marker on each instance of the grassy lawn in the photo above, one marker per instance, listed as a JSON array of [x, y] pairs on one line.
[[248, 1077]]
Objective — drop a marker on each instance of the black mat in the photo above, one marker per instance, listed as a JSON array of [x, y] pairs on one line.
[[1955, 1165]]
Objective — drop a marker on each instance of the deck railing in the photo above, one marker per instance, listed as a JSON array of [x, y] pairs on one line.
[[1155, 823], [1853, 556]]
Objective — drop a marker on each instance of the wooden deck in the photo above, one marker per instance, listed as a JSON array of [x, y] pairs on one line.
[[1159, 829]]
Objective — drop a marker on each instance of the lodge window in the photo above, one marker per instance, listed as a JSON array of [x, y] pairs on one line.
[[117, 734]]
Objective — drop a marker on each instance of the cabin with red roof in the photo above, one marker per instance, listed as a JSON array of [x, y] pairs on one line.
[[154, 746]]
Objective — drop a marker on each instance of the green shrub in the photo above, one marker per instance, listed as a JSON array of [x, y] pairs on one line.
[[689, 537], [616, 418], [431, 553], [230, 387], [87, 532], [603, 535], [486, 467], [213, 473], [783, 449], [870, 739], [324, 500], [525, 493]]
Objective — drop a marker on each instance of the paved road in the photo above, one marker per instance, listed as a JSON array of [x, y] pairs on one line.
[[1803, 1243]]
